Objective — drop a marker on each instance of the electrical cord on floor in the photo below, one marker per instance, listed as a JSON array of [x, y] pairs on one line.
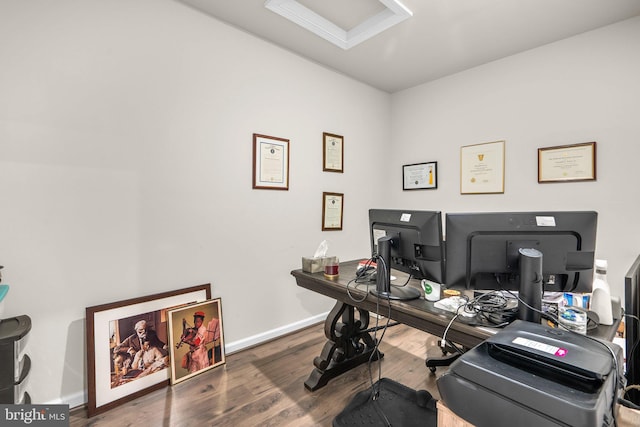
[[375, 392]]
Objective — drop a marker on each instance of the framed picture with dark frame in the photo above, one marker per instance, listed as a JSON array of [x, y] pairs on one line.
[[420, 176], [196, 339], [332, 204], [127, 346], [332, 152], [565, 163], [270, 162]]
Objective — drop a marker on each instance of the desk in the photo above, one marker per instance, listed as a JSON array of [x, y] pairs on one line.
[[349, 341]]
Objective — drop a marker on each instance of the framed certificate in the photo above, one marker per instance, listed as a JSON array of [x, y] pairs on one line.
[[270, 162], [420, 176], [332, 152], [482, 168], [332, 204], [576, 162]]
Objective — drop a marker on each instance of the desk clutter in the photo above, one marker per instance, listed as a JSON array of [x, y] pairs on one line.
[[492, 386]]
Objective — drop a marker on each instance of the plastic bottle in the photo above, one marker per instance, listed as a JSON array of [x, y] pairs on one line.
[[601, 294]]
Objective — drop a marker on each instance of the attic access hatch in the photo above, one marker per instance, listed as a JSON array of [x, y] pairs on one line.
[[393, 13]]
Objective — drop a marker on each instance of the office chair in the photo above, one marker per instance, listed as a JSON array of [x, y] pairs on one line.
[[449, 354]]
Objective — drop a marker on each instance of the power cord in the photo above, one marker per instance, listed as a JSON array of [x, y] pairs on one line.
[[375, 392], [631, 363], [362, 273]]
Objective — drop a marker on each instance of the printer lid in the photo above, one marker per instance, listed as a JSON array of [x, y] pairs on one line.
[[573, 359]]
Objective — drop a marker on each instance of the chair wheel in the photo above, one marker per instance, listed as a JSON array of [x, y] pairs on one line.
[[432, 369]]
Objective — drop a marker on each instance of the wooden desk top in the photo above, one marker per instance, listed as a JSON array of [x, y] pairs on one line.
[[417, 313]]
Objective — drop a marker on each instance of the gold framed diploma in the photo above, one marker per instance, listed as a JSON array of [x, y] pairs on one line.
[[332, 204], [270, 162], [420, 176], [332, 152], [575, 162], [482, 168]]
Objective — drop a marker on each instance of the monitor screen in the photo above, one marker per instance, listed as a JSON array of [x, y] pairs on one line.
[[632, 328], [483, 250], [414, 240]]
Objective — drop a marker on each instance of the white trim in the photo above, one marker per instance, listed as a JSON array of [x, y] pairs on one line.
[[394, 13], [73, 400], [272, 334]]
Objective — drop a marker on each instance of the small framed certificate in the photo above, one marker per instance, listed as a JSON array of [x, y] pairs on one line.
[[420, 176], [332, 152], [576, 162], [270, 162], [482, 168], [332, 204]]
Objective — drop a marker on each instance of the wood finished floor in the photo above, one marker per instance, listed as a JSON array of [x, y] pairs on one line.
[[264, 385]]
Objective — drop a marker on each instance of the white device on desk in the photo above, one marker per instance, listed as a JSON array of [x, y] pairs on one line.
[[451, 304], [601, 294]]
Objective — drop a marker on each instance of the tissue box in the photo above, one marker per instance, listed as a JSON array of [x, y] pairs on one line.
[[315, 265]]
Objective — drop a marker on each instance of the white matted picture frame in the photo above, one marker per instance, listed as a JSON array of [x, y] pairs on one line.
[[332, 152], [482, 168], [270, 162], [420, 176], [567, 163], [332, 205], [196, 339]]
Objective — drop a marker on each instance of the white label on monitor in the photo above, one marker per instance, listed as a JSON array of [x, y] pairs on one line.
[[546, 221], [405, 217]]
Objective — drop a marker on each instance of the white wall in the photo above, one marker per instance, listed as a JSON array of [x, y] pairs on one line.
[[582, 89], [125, 160], [126, 166]]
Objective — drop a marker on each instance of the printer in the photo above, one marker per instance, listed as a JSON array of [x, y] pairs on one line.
[[529, 374]]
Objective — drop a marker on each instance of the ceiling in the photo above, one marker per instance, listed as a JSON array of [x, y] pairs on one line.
[[442, 37]]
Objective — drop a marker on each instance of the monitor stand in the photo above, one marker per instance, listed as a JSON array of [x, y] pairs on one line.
[[530, 290], [383, 281]]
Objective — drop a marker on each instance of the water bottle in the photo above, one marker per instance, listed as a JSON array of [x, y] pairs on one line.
[[601, 294]]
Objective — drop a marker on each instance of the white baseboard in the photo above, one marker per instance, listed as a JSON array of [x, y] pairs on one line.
[[242, 344], [73, 400], [79, 399]]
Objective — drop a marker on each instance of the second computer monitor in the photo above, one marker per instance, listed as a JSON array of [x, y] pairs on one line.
[[416, 241]]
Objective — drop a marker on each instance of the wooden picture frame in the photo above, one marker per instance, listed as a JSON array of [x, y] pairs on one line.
[[332, 205], [567, 163], [196, 351], [332, 152], [420, 176], [482, 168], [113, 343], [270, 162]]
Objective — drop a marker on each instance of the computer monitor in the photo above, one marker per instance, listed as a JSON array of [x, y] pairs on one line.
[[632, 329], [529, 252], [408, 241]]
